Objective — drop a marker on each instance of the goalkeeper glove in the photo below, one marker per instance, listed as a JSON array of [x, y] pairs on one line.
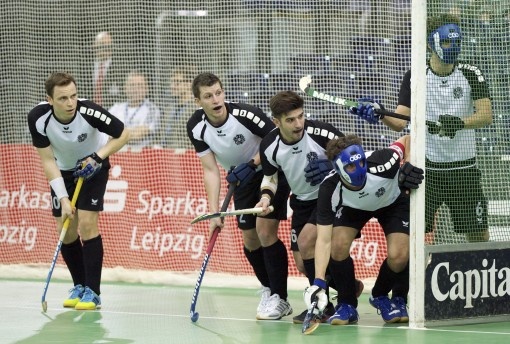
[[449, 125], [366, 110]]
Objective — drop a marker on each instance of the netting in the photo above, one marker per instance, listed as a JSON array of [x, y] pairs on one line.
[[352, 49]]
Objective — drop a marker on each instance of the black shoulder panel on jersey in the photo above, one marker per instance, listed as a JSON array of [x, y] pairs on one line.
[[252, 117], [384, 163], [476, 79], [404, 95], [39, 140], [264, 145], [321, 132], [100, 118]]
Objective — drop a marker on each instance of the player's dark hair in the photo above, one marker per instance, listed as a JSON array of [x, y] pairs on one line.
[[284, 102], [335, 146], [57, 79], [436, 22], [204, 79]]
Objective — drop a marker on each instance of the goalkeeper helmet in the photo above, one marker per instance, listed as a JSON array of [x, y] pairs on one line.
[[351, 165], [445, 41]]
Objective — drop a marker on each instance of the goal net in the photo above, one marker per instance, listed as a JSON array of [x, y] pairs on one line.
[[351, 49]]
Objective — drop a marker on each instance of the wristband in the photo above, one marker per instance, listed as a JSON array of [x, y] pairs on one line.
[[320, 283], [96, 157], [59, 187], [266, 196]]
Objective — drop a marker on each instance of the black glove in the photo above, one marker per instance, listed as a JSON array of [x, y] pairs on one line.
[[242, 174], [449, 125], [410, 176], [88, 168], [317, 170]]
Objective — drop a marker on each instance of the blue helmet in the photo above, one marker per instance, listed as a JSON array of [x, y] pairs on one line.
[[352, 155], [447, 32]]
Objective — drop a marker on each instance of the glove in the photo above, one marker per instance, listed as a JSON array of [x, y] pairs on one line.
[[450, 125], [433, 128], [317, 170], [317, 290], [91, 168], [410, 176], [242, 174], [366, 110]]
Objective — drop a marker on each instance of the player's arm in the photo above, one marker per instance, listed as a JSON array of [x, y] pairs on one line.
[[395, 123], [114, 144], [322, 250], [482, 116], [212, 184], [55, 179]]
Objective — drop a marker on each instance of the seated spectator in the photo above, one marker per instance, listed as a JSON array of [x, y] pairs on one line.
[[138, 113]]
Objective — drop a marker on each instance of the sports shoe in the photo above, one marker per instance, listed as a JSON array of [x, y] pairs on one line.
[[387, 309], [328, 311], [400, 302], [265, 293], [75, 294], [89, 301], [345, 314], [274, 309]]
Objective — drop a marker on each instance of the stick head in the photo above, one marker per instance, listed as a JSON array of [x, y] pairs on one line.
[[194, 316], [305, 82], [44, 306]]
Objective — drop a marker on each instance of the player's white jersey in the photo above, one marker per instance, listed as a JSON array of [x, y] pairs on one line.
[[85, 134], [234, 142], [380, 190], [292, 159], [453, 95]]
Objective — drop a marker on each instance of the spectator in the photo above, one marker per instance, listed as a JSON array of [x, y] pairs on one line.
[[107, 73], [178, 110], [138, 113]]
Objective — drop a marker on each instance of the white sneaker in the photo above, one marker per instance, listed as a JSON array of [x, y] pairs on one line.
[[275, 308], [265, 293]]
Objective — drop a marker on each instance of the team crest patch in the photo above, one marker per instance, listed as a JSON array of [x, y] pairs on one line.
[[82, 137], [380, 192], [458, 92], [312, 156], [239, 139]]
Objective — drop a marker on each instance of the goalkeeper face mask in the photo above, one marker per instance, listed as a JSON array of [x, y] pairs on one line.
[[351, 165], [446, 42]]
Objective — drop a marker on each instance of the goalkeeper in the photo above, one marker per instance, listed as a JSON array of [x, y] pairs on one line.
[[341, 215], [229, 134], [458, 101], [66, 129]]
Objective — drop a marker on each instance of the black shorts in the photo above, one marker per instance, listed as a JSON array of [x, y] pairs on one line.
[[303, 212], [461, 191], [393, 218], [91, 195], [248, 196]]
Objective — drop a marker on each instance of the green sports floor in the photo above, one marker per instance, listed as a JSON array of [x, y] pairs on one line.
[[135, 313]]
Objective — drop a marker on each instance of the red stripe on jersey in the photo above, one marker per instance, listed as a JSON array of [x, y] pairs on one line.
[[399, 148]]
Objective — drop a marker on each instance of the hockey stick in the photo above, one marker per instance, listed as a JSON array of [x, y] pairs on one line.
[[192, 313], [304, 85], [312, 320], [229, 213], [59, 245]]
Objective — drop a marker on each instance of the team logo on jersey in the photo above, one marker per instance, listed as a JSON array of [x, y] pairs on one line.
[[220, 133], [239, 139], [66, 130], [312, 156], [82, 137], [458, 92], [380, 192]]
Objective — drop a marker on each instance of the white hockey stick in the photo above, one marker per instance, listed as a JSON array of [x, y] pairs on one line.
[[229, 213]]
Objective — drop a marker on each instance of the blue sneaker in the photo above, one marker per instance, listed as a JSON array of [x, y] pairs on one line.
[[400, 302], [89, 302], [75, 294], [388, 310], [345, 314]]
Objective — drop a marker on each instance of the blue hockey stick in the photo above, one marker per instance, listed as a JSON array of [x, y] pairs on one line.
[[192, 313]]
